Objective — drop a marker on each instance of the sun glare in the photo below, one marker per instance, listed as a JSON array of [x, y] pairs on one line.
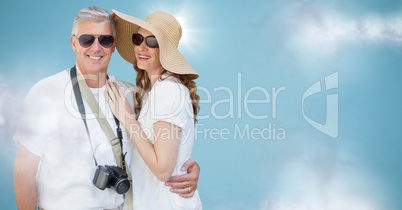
[[187, 14], [187, 17]]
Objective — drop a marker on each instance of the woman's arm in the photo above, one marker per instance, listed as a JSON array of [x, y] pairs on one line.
[[161, 156]]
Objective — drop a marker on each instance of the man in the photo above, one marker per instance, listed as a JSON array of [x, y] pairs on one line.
[[57, 153]]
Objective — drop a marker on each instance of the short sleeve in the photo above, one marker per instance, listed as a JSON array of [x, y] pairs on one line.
[[168, 103], [35, 120]]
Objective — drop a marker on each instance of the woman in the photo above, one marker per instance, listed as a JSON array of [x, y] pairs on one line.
[[166, 107]]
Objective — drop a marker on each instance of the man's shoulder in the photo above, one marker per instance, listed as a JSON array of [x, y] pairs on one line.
[[51, 84], [56, 78], [125, 85]]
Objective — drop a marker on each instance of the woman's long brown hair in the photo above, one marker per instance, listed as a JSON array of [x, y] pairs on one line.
[[144, 85]]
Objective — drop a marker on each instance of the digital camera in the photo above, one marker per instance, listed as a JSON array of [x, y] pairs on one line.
[[111, 177]]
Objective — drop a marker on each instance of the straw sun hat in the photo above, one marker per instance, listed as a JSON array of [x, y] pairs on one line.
[[167, 31]]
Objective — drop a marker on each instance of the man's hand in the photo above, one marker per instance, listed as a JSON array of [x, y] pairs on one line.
[[186, 184]]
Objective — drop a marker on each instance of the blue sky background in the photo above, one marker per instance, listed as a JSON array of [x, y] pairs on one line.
[[244, 51]]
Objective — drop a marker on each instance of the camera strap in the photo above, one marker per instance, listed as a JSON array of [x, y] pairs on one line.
[[81, 89], [80, 86]]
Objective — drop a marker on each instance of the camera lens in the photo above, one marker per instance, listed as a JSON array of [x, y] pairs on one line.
[[111, 177], [122, 186]]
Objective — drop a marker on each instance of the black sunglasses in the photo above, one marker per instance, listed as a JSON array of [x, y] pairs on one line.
[[86, 40], [149, 40]]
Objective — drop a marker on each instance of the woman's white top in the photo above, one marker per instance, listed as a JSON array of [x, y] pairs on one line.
[[167, 101]]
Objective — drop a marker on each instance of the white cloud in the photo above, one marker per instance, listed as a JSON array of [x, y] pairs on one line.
[[305, 189], [11, 99], [317, 175], [324, 30], [2, 119]]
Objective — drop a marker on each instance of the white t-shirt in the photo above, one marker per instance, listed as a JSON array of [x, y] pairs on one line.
[[167, 101], [51, 127]]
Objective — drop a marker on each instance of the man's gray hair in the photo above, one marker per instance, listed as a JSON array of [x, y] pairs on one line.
[[94, 13]]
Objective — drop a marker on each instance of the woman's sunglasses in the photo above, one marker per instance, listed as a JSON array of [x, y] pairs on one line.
[[149, 40], [86, 40]]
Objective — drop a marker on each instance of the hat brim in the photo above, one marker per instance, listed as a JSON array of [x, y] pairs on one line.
[[171, 59]]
